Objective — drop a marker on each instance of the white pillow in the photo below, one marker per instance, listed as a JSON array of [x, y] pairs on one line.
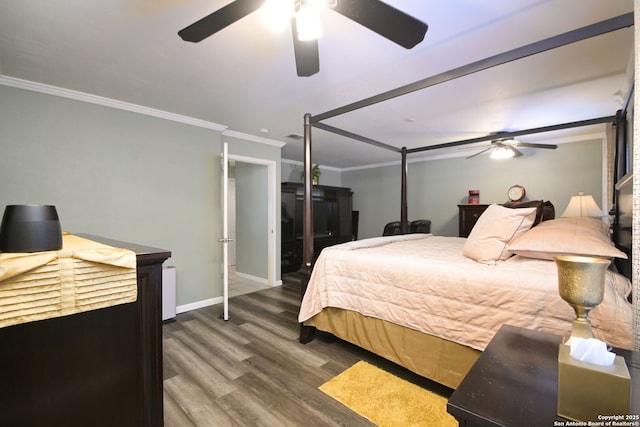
[[494, 229], [566, 236]]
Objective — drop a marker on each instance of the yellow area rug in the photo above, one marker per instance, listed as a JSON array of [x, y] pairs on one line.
[[387, 400]]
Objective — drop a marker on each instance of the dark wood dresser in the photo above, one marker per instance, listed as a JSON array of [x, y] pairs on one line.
[[467, 217], [332, 220], [96, 368], [514, 382]]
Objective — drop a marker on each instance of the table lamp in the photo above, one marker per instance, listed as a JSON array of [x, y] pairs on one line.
[[583, 205]]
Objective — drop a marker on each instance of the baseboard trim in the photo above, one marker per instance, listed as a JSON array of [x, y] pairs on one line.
[[198, 304], [260, 280], [211, 301]]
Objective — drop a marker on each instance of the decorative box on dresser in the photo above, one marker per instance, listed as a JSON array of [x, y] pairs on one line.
[[332, 220], [96, 368], [467, 217]]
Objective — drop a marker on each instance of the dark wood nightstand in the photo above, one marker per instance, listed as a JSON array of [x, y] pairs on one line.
[[467, 217], [515, 382], [94, 368]]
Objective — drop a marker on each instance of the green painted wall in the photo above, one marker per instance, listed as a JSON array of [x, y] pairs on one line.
[[435, 188], [251, 218], [121, 175]]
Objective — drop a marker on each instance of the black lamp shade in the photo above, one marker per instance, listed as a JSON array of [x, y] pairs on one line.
[[30, 228]]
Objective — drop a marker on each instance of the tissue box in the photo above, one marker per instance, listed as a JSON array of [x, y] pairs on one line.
[[586, 391]]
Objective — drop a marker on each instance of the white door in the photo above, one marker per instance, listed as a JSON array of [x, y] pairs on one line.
[[225, 240]]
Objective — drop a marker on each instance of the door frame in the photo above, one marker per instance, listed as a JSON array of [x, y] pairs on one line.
[[271, 211]]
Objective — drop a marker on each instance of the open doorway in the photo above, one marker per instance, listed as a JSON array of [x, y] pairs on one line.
[[251, 210]]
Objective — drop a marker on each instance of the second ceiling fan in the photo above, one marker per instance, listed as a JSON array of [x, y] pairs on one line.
[[375, 15], [508, 148]]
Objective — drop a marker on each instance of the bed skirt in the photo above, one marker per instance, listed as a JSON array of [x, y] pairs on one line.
[[432, 357]]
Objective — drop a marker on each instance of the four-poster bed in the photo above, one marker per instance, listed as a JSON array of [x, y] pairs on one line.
[[431, 354]]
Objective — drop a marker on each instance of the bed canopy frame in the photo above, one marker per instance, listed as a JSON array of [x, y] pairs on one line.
[[310, 121]]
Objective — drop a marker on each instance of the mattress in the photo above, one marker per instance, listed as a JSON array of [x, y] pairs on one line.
[[84, 275], [423, 282]]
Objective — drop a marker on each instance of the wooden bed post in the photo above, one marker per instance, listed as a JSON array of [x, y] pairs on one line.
[[404, 225], [307, 332], [307, 207]]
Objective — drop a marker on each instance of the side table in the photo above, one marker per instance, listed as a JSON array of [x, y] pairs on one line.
[[515, 382], [467, 217]]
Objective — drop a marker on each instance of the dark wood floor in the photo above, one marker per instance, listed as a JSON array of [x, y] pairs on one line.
[[252, 371]]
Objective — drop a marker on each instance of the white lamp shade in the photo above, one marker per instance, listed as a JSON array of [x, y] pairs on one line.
[[583, 205]]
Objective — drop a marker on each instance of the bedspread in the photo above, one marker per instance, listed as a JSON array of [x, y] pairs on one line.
[[424, 282]]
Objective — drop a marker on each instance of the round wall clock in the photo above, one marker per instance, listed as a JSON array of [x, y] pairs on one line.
[[516, 193]]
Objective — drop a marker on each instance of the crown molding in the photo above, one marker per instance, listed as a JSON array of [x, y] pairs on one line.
[[107, 102], [134, 108], [249, 137], [299, 163]]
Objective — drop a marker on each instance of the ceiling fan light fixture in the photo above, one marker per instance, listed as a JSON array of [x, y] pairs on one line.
[[502, 153], [308, 23], [375, 15], [276, 14]]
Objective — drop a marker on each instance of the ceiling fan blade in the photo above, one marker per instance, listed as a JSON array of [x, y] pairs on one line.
[[516, 153], [306, 53], [479, 152], [467, 148], [529, 145], [219, 19], [385, 20]]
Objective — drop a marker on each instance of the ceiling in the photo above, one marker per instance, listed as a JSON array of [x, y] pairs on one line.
[[244, 76]]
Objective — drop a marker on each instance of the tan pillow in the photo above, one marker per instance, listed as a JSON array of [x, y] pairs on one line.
[[566, 236], [494, 229]]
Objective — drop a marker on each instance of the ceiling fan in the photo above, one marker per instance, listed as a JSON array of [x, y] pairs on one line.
[[377, 16], [508, 148]]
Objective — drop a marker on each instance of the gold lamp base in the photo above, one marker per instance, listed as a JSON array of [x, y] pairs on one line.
[[581, 285]]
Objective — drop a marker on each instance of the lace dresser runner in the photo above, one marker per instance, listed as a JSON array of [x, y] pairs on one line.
[[84, 275]]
